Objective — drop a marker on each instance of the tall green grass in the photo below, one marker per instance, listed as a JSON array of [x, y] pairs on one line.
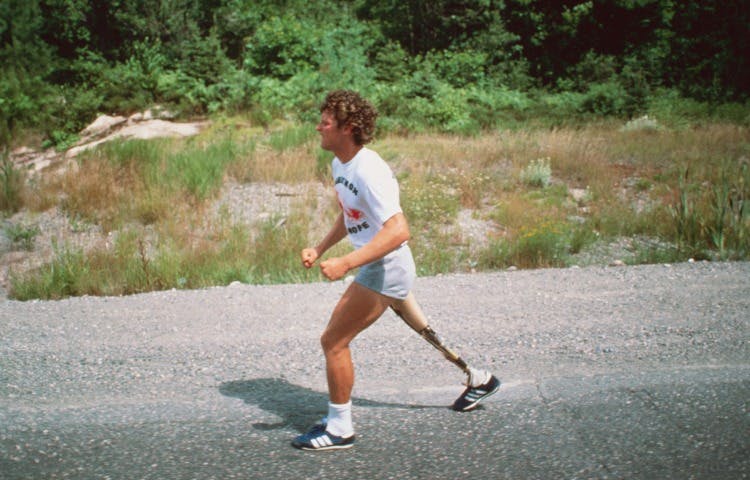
[[716, 218], [229, 252], [291, 137], [200, 170], [11, 184], [546, 245]]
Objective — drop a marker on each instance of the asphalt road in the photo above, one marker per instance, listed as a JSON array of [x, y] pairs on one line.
[[636, 372]]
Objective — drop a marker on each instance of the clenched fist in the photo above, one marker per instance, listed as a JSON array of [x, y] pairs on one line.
[[334, 268], [309, 256]]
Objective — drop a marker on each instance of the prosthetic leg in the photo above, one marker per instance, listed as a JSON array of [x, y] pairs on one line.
[[410, 312], [480, 384]]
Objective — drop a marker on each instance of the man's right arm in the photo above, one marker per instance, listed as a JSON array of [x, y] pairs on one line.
[[334, 236]]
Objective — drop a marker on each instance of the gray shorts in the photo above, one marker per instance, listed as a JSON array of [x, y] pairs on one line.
[[392, 275]]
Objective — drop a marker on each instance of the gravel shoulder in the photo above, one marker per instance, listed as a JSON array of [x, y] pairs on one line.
[[523, 325]]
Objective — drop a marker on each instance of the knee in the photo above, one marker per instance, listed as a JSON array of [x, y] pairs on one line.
[[331, 343]]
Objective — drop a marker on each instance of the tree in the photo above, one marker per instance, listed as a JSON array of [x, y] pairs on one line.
[[24, 64], [710, 49], [424, 25]]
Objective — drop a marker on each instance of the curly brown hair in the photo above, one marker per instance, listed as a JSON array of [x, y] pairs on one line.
[[349, 108]]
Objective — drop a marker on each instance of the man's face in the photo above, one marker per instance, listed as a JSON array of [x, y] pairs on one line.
[[332, 135]]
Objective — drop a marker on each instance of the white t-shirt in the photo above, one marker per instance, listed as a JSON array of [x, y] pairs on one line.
[[368, 194]]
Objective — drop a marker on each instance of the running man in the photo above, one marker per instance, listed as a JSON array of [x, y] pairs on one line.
[[372, 218]]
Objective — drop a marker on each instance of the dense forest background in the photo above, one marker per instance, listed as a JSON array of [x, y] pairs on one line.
[[456, 66]]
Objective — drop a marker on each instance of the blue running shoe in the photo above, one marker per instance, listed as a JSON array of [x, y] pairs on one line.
[[319, 439], [473, 395], [320, 426]]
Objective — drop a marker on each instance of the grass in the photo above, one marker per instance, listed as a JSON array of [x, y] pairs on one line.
[[545, 245], [687, 189], [22, 236], [11, 185]]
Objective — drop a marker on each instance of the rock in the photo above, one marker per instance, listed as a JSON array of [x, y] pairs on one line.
[[144, 130], [33, 160], [160, 128], [102, 125], [15, 257], [580, 195], [143, 125], [22, 151], [577, 219], [73, 152]]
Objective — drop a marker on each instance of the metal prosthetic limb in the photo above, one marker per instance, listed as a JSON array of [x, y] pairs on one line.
[[429, 334], [410, 312]]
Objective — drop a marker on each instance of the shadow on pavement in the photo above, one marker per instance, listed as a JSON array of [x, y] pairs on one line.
[[298, 407]]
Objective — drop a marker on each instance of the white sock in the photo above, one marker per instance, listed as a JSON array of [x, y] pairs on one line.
[[340, 419], [478, 377]]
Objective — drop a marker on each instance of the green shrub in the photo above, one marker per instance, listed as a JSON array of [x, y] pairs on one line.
[[448, 112], [233, 94], [62, 277], [591, 68], [23, 101], [391, 62], [424, 102], [201, 58], [133, 84], [543, 246], [556, 109], [678, 111], [538, 173], [281, 47], [605, 99], [642, 124], [546, 245], [654, 254], [187, 93], [74, 109], [458, 68], [298, 96], [429, 202], [436, 252], [344, 64]]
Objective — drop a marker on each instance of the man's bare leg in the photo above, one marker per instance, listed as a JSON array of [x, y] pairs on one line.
[[357, 309]]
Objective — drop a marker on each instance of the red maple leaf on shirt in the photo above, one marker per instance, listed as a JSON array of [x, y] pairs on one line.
[[351, 213]]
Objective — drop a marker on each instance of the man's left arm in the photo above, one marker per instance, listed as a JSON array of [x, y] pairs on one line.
[[394, 233]]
